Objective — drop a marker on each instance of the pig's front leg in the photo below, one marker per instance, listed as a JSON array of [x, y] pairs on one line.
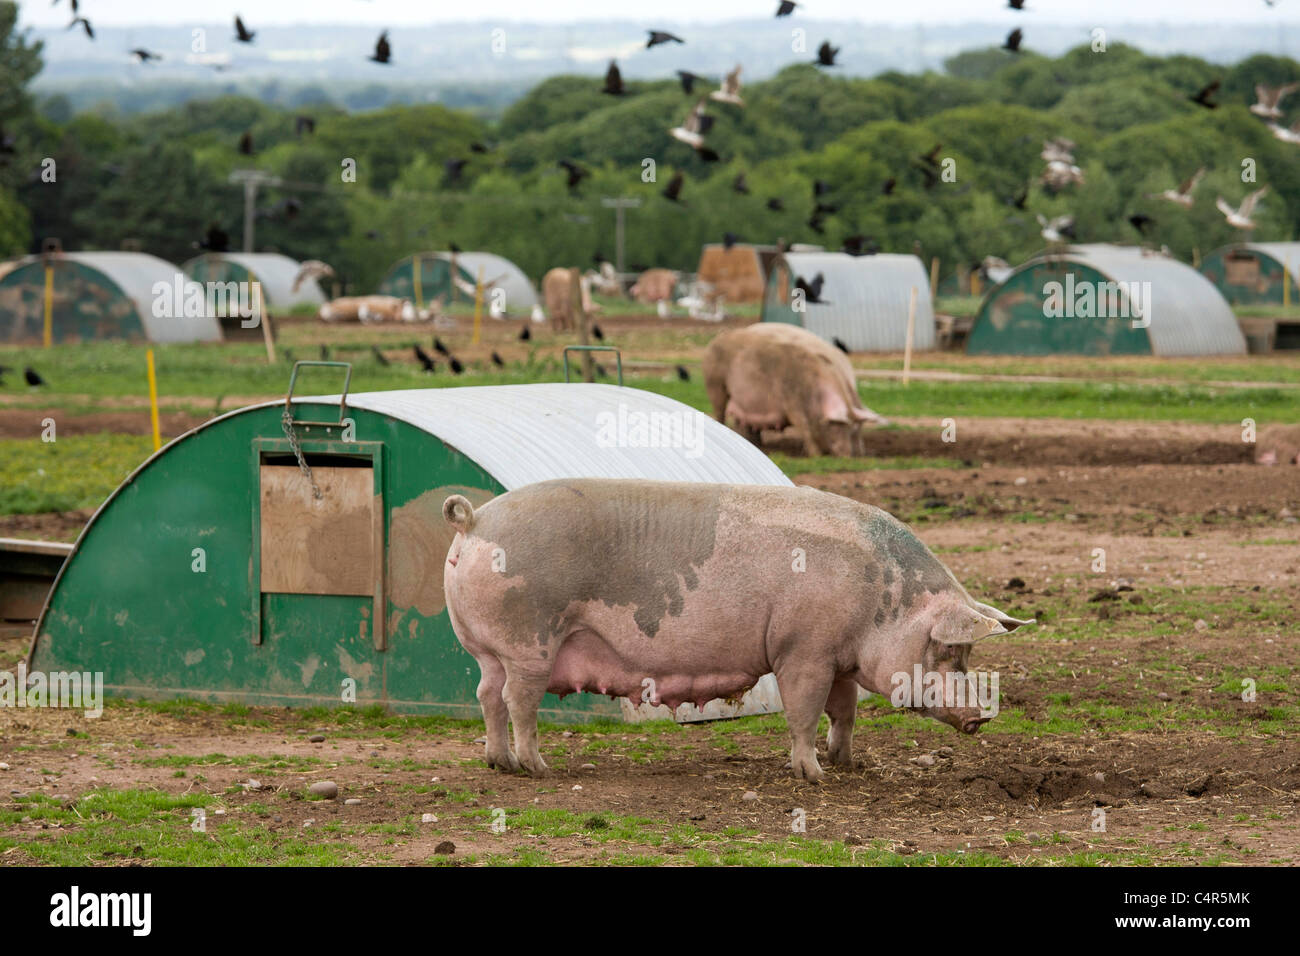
[[842, 708], [523, 692], [804, 691], [491, 683]]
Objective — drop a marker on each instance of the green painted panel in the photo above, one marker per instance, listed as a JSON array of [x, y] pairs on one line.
[[1247, 277], [435, 282], [1014, 319], [129, 603], [776, 300], [88, 306]]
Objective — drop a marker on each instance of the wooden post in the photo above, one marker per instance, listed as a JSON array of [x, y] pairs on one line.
[[417, 282], [975, 282], [911, 333], [265, 321], [1286, 284], [580, 314], [1196, 257], [934, 278], [48, 337], [153, 400], [478, 304]]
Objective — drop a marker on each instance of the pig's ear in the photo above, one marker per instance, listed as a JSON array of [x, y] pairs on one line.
[[833, 407], [1006, 620], [962, 624]]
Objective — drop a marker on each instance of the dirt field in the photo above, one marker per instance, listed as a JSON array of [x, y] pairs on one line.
[[1123, 736]]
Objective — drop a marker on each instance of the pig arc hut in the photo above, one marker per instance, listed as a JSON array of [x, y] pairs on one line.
[[1097, 299], [215, 573], [864, 301], [450, 276], [274, 272]]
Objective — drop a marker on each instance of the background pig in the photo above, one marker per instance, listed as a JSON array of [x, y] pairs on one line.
[[1278, 445], [770, 375], [693, 592]]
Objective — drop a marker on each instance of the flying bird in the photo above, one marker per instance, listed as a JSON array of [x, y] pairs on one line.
[[1057, 229], [453, 168], [887, 187], [1291, 135], [85, 25], [613, 80], [673, 190], [242, 33], [1183, 194], [1205, 97], [688, 80], [661, 36], [729, 91], [1240, 218], [826, 54], [812, 291], [1141, 222], [786, 8], [692, 129], [1013, 40], [839, 344], [1269, 99], [215, 240], [304, 124], [1016, 4], [738, 185], [311, 269], [383, 52], [144, 56], [576, 174], [775, 204], [246, 144], [859, 245]]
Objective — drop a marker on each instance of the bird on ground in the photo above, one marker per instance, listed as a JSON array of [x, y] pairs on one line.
[[1205, 96], [738, 185], [1240, 218], [1183, 194], [1013, 40], [613, 80], [1057, 229], [525, 334], [1269, 99], [324, 353], [311, 269], [498, 361], [576, 174], [597, 334], [144, 56], [379, 356], [689, 79], [661, 36], [456, 367], [786, 8], [440, 348], [242, 33], [425, 359], [304, 124], [32, 377], [826, 54], [683, 374], [673, 191], [729, 91], [383, 52]]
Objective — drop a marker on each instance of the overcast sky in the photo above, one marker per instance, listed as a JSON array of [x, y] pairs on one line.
[[396, 12]]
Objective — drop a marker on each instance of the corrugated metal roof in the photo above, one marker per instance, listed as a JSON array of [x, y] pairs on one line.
[[1188, 315], [276, 274], [136, 274], [520, 294], [526, 433], [867, 298], [1287, 253]]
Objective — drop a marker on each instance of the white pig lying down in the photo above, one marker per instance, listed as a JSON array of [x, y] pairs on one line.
[[694, 592]]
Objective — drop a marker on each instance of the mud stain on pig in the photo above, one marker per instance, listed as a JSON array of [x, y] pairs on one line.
[[919, 571], [640, 547]]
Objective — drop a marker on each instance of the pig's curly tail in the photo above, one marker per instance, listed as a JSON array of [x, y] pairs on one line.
[[459, 513]]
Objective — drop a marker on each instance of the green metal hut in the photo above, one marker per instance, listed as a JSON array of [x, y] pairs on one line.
[[274, 272], [450, 276], [215, 573]]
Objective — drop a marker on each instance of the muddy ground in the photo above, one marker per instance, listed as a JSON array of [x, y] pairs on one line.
[[1124, 737]]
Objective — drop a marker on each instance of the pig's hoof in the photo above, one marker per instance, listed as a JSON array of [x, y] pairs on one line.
[[808, 770], [840, 758], [506, 761], [534, 764]]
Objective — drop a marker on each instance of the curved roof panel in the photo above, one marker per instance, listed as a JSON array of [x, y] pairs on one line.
[[275, 272]]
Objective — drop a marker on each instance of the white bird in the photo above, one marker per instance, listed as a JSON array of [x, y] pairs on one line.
[[1060, 173], [1286, 135], [1183, 194], [311, 269], [1058, 229], [1059, 149], [1269, 99], [729, 92], [1239, 218], [692, 130]]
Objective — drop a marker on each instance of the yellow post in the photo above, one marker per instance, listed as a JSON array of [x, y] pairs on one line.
[[478, 303], [153, 400], [268, 337], [975, 282], [934, 278], [911, 333], [1286, 284], [48, 337], [416, 282]]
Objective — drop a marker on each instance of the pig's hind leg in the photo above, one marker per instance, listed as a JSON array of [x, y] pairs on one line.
[[495, 714], [842, 708], [524, 688]]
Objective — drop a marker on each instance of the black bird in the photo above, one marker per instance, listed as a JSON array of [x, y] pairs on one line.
[[373, 234], [456, 367], [1013, 40], [479, 148], [775, 204], [683, 374], [859, 245], [613, 80], [451, 246], [729, 239], [576, 174], [525, 334], [818, 218], [242, 33], [33, 379], [661, 36], [324, 353], [1016, 4], [839, 344], [215, 240], [689, 79], [426, 361], [888, 188], [932, 157], [826, 54], [453, 168], [786, 8], [498, 361], [304, 124], [1019, 199], [738, 185], [85, 25], [144, 56], [382, 50], [597, 333], [812, 291], [246, 144], [379, 356], [1206, 96], [820, 188], [673, 190], [440, 348], [1141, 222]]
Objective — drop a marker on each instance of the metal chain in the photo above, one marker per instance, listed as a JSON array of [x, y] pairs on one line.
[[286, 421]]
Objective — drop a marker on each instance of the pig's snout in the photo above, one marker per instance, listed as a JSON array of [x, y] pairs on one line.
[[973, 724]]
